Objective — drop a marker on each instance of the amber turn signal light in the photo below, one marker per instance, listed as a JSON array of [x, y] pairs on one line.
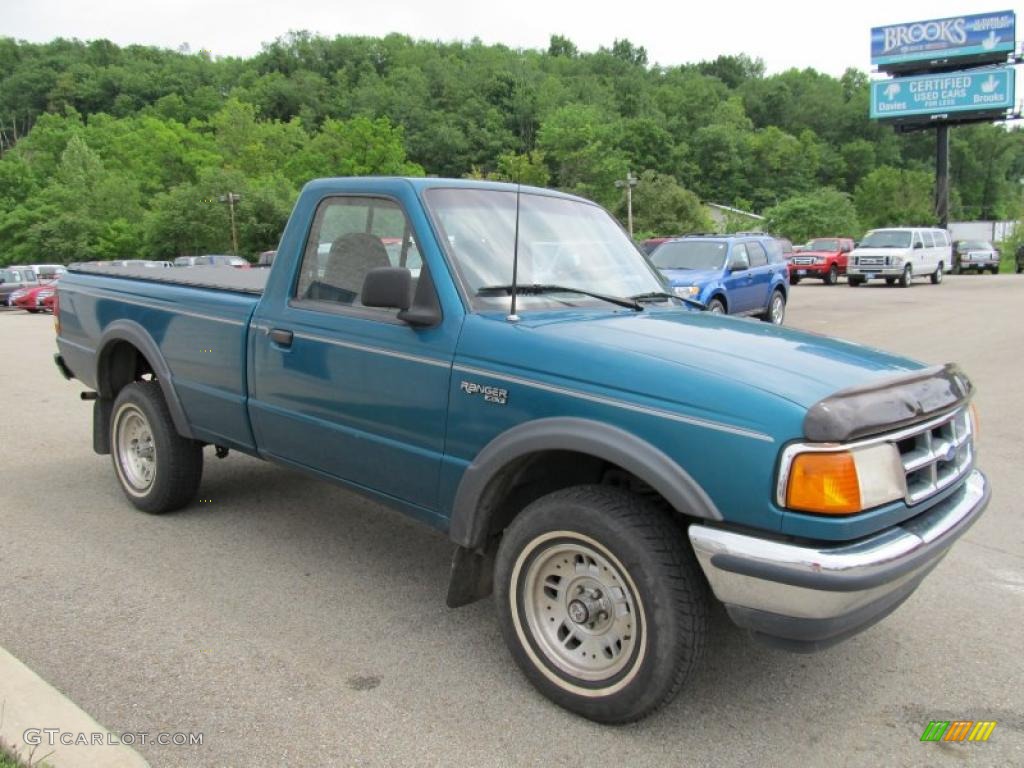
[[825, 483]]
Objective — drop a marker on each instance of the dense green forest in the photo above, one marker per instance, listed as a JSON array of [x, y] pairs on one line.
[[109, 152]]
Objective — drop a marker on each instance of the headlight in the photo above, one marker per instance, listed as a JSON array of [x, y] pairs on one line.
[[841, 482], [686, 291], [819, 260], [897, 260]]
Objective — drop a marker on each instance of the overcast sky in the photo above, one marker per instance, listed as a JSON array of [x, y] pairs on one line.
[[828, 36]]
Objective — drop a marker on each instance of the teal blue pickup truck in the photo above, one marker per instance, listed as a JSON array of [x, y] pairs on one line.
[[503, 364]]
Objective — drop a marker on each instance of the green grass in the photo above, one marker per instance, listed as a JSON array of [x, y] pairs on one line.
[[8, 762]]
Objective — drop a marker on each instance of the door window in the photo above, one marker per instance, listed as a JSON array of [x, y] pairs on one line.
[[350, 237], [739, 255], [929, 241], [758, 258]]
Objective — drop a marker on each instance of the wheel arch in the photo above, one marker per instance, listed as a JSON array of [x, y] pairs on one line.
[[125, 353], [510, 461]]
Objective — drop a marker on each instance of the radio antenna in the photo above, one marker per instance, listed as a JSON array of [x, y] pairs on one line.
[[512, 316]]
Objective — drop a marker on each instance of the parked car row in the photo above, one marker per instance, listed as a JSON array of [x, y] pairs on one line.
[[29, 286]]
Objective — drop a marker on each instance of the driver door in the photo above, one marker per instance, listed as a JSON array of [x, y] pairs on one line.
[[346, 390]]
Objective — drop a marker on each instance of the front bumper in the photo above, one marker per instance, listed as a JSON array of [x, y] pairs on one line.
[[806, 598], [809, 270], [892, 270]]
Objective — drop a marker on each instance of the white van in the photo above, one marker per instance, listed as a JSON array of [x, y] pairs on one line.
[[899, 254]]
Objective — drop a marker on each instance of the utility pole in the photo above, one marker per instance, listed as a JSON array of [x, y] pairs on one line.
[[942, 174], [629, 182], [231, 198]]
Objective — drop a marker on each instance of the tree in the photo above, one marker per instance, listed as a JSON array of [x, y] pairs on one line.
[[823, 213], [662, 207], [892, 197]]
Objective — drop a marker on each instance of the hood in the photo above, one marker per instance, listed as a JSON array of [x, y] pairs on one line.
[[711, 362], [691, 276]]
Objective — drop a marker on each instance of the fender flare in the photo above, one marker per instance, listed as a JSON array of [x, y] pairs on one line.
[[133, 333], [470, 520]]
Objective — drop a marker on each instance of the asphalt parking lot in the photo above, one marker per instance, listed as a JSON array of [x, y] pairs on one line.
[[292, 623]]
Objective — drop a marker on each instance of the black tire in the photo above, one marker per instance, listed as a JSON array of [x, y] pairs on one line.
[[936, 276], [658, 570], [794, 280], [832, 276], [854, 282], [906, 277], [775, 315], [890, 281], [176, 463], [32, 310], [717, 306], [995, 270]]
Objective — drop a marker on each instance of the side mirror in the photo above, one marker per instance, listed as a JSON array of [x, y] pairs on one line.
[[918, 244], [739, 265], [387, 287]]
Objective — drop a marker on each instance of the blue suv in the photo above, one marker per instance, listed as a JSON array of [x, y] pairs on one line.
[[742, 274]]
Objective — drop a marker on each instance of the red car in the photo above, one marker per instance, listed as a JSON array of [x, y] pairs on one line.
[[35, 299], [824, 258]]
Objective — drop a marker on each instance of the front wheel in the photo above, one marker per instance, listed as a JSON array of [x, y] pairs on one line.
[[716, 307], [601, 602], [853, 282], [906, 277], [937, 275], [833, 275], [159, 470]]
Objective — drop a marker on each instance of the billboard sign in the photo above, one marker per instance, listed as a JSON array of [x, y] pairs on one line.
[[956, 94], [979, 37]]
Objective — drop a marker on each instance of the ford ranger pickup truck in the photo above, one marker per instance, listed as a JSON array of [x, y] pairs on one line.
[[503, 364]]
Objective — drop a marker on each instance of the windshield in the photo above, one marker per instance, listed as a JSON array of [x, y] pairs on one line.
[[690, 254], [886, 238], [823, 244], [974, 245], [561, 242], [9, 276]]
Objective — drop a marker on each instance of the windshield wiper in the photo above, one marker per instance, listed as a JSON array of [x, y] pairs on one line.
[[654, 295], [539, 288]]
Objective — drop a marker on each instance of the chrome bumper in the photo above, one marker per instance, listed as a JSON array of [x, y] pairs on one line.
[[893, 270], [810, 597]]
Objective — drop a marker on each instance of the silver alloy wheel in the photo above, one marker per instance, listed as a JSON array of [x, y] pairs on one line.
[[938, 274], [716, 308], [778, 309], [581, 611], [136, 451]]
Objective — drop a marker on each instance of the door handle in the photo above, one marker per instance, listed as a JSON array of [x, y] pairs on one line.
[[281, 337]]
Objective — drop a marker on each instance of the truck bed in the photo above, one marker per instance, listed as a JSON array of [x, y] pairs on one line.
[[216, 278], [196, 323]]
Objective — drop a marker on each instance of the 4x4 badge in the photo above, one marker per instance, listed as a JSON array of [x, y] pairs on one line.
[[495, 395]]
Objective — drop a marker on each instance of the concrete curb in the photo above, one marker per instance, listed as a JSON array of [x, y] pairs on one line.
[[29, 702]]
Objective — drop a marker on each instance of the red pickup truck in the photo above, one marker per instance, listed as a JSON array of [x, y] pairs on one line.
[[823, 258]]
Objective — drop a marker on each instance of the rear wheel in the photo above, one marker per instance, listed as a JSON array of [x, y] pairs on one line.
[[776, 312], [890, 281], [159, 470], [936, 276], [906, 277], [833, 275], [601, 602]]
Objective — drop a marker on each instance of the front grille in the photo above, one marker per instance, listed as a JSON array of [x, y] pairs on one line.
[[936, 454], [873, 261], [803, 260]]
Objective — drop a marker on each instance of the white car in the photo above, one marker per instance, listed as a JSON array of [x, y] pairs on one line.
[[899, 254]]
